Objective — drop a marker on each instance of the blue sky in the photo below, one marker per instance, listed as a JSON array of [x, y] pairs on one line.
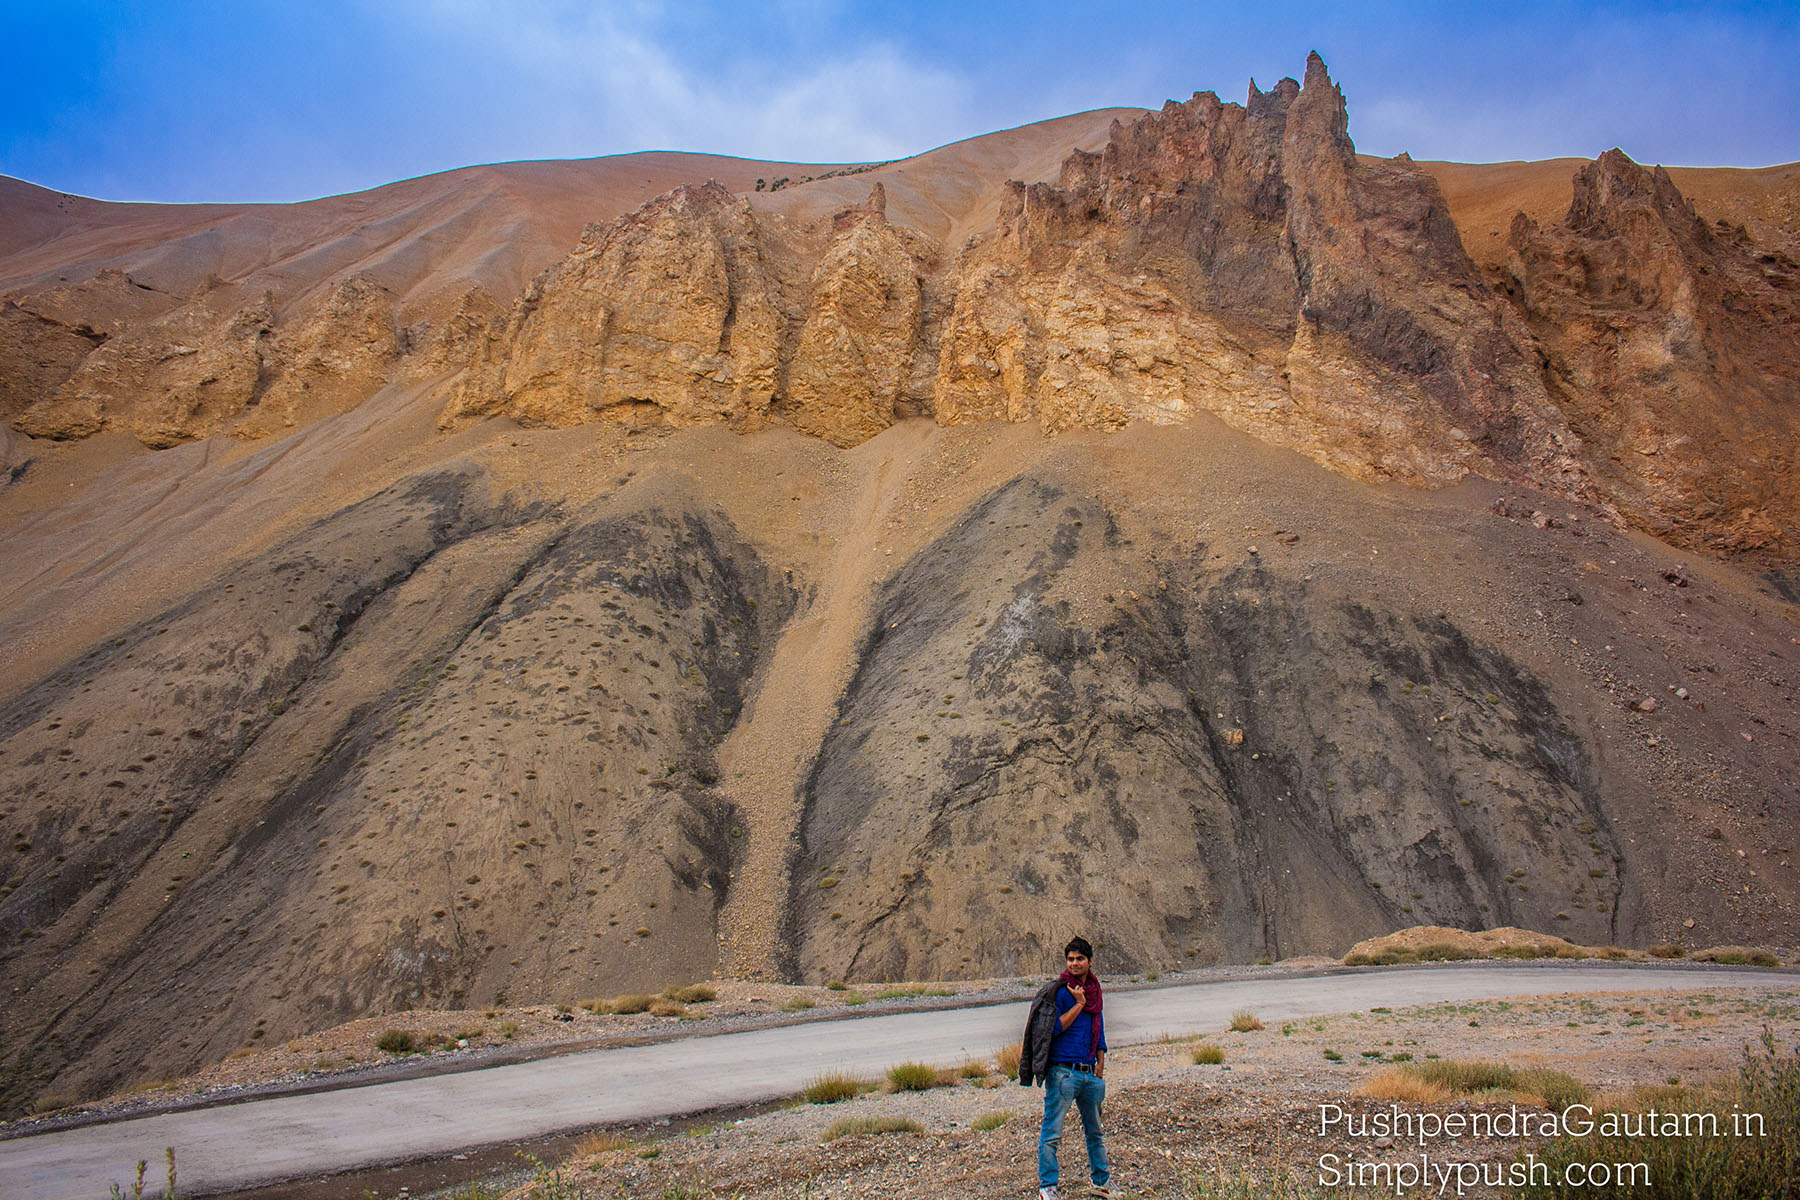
[[178, 100]]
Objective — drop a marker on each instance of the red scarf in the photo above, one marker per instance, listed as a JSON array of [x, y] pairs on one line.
[[1090, 986]]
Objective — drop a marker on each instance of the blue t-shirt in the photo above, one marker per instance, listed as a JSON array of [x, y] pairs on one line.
[[1076, 1043]]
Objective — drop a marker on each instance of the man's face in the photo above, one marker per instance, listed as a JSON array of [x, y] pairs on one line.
[[1078, 963]]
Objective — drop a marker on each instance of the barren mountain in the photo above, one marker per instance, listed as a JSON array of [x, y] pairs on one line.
[[556, 579]]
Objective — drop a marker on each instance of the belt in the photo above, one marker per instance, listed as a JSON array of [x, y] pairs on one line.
[[1075, 1066]]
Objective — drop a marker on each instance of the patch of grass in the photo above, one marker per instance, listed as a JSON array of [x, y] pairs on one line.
[[1405, 1087], [627, 1004], [1207, 1055], [1007, 1059], [912, 1076], [1738, 958], [601, 1141], [990, 1120], [1667, 950], [1245, 1021], [836, 985], [859, 1126], [1333, 1056], [667, 1008], [1465, 1077], [1441, 952], [855, 998], [835, 1086], [694, 993], [974, 1068], [796, 1004], [397, 1041], [508, 1028]]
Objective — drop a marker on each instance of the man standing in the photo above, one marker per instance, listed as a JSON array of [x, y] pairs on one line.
[[1065, 1047]]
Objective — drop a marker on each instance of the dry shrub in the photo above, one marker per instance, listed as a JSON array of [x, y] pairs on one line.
[[913, 1076], [1244, 1021], [1207, 1055], [1398, 1084], [974, 1068], [632, 1004], [855, 1126], [1007, 1059], [1667, 950], [666, 1008], [834, 1086], [694, 993], [1441, 952]]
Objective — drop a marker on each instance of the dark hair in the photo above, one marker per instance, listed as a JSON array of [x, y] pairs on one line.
[[1079, 946]]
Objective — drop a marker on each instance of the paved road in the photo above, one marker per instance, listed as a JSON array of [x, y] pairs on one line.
[[236, 1146]]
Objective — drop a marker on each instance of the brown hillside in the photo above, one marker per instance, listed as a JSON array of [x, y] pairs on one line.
[[554, 580]]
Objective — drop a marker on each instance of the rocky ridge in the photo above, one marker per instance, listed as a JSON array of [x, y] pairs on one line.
[[1239, 259]]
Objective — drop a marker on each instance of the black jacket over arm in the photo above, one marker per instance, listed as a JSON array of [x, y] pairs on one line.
[[1040, 1031]]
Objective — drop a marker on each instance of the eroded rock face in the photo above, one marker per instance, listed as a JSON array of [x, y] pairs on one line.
[[861, 332], [1241, 259], [1671, 344], [328, 359], [669, 308]]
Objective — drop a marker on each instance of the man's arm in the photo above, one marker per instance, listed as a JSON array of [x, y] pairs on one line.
[[1068, 1018]]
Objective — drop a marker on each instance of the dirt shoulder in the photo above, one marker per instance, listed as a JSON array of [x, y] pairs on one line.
[[1171, 1125]]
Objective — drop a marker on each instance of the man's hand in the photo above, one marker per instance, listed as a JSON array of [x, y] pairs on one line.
[[1100, 1066], [1068, 1017]]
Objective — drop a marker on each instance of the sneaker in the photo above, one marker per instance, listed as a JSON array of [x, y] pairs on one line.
[[1099, 1189], [1049, 1193]]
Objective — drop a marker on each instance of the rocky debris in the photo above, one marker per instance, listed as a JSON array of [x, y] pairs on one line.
[[669, 309], [1670, 345], [1053, 759], [432, 748]]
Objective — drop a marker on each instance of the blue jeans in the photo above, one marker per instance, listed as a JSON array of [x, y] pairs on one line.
[[1061, 1086]]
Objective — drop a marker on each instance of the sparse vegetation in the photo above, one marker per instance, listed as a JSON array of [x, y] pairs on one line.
[[1768, 1084], [694, 993], [988, 1121], [632, 1003], [1007, 1059], [836, 1086], [667, 1008], [1667, 950], [1207, 1055], [397, 1041], [796, 1004], [912, 1076], [601, 1141], [1245, 1021], [858, 1126], [1446, 1079]]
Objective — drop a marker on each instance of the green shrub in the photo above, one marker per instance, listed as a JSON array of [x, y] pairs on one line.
[[857, 1126], [796, 1004], [990, 1120], [834, 1086], [912, 1076], [397, 1041]]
